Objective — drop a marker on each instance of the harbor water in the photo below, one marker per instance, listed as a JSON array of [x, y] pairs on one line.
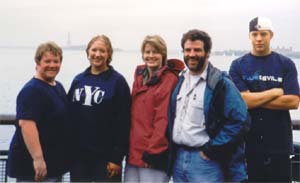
[[18, 66]]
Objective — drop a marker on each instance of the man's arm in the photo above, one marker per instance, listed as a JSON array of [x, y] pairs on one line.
[[258, 99], [284, 102], [32, 141]]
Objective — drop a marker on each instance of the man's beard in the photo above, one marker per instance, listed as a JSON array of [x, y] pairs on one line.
[[201, 62]]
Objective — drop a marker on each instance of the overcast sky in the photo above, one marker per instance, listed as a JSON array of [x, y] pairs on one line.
[[127, 22]]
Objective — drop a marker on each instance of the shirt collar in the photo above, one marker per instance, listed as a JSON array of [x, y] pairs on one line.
[[203, 75]]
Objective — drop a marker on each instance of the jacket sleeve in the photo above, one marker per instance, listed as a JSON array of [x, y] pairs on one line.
[[121, 124], [158, 141], [234, 127]]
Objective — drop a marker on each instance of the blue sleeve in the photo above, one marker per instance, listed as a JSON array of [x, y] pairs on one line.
[[236, 124], [75, 81], [290, 80], [122, 120], [235, 113], [237, 77], [29, 104]]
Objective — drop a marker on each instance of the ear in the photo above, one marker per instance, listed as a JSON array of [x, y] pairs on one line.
[[207, 55], [271, 34]]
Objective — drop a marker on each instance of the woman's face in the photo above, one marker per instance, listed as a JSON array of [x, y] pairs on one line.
[[98, 55], [151, 57]]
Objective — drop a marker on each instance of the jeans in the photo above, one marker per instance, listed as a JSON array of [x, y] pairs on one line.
[[191, 167], [139, 174]]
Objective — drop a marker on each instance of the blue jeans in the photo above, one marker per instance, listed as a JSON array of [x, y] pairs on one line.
[[138, 174], [191, 167]]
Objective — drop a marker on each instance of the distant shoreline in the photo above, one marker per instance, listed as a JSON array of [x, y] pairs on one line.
[[72, 47], [290, 54], [230, 52]]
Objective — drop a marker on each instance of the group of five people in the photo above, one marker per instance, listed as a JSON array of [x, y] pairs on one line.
[[191, 124]]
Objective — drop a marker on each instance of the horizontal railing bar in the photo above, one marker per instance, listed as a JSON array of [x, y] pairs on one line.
[[10, 119]]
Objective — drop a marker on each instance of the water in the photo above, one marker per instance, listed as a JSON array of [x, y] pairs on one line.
[[17, 67]]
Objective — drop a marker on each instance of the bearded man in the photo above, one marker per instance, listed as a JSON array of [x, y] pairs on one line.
[[208, 119]]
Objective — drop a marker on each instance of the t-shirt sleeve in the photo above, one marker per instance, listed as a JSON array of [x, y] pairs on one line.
[[29, 104], [236, 76], [290, 80]]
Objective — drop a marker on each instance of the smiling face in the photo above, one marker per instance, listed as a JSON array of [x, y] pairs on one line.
[[48, 67], [152, 58], [98, 56], [261, 42], [195, 56]]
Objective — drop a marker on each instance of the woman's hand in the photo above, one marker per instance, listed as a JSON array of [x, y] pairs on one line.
[[146, 165], [40, 170], [113, 169]]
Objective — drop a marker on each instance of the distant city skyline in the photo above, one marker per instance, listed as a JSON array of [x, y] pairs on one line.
[[127, 22]]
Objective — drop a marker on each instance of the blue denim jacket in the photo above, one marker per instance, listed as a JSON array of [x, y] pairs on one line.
[[226, 120]]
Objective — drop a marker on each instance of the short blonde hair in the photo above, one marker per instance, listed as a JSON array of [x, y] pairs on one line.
[[158, 43], [49, 46], [107, 43]]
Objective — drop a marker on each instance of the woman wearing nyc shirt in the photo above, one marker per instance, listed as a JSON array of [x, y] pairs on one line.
[[100, 109]]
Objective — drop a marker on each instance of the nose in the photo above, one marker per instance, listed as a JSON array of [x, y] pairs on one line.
[[151, 54], [192, 53], [54, 64], [258, 37], [97, 53]]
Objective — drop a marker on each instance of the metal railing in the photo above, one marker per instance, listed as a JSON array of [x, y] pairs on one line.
[[4, 177], [3, 173], [7, 119], [10, 120]]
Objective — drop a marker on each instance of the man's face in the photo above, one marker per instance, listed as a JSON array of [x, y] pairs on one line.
[[195, 56], [261, 42], [48, 67]]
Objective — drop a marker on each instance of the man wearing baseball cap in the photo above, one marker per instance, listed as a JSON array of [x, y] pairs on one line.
[[268, 83]]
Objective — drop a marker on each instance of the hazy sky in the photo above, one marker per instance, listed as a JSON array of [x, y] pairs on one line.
[[127, 22]]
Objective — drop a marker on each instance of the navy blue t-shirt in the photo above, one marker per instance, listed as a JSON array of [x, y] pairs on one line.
[[271, 131], [46, 105]]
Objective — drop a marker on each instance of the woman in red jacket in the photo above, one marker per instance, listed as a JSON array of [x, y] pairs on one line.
[[152, 87]]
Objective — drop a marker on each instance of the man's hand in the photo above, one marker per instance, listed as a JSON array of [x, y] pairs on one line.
[[40, 169], [113, 169], [277, 91], [257, 99], [204, 156]]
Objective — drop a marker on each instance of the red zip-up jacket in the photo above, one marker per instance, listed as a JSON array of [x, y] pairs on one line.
[[149, 114]]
